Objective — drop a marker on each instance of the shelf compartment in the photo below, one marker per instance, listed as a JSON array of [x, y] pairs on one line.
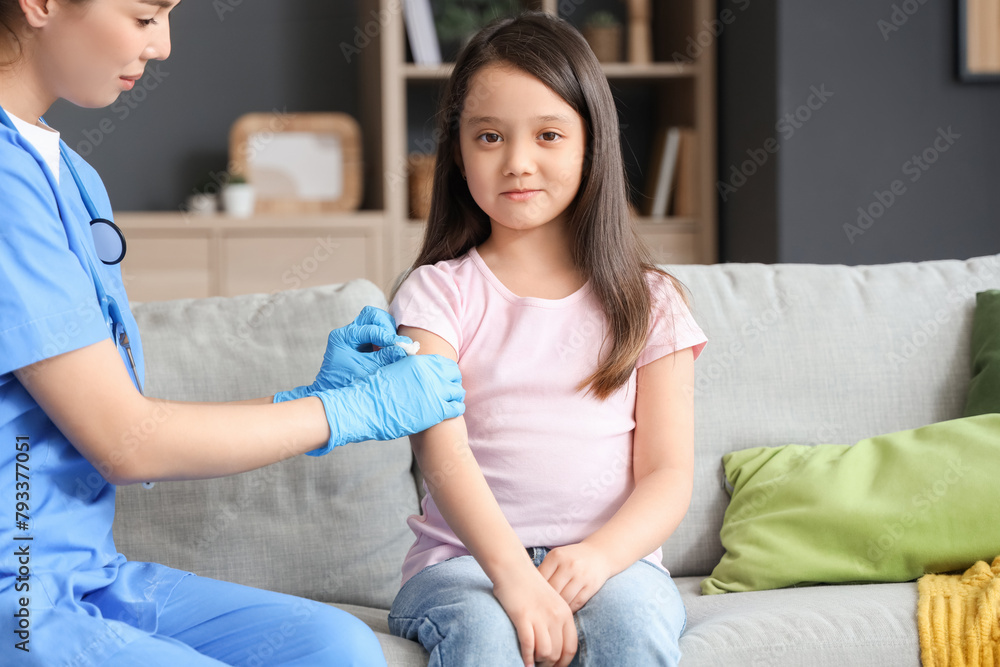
[[639, 72], [262, 261], [168, 264]]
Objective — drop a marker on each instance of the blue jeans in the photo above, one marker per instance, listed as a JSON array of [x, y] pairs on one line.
[[636, 619]]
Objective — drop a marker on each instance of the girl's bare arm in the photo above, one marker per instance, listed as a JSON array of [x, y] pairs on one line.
[[542, 619]]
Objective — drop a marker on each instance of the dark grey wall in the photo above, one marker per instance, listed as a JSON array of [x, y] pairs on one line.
[[230, 57], [747, 101], [893, 91]]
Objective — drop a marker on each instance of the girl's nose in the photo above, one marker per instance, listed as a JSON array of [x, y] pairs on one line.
[[519, 159]]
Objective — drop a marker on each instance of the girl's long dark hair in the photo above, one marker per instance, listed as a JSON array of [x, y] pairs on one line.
[[605, 245]]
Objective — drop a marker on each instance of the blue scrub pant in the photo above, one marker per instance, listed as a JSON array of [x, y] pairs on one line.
[[208, 622]]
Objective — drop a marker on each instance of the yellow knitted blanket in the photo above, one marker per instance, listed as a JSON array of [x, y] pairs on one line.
[[959, 617]]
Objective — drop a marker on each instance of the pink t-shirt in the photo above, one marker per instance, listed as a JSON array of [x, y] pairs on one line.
[[558, 461]]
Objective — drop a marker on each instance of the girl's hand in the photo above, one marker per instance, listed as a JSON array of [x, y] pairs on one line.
[[543, 621], [576, 572]]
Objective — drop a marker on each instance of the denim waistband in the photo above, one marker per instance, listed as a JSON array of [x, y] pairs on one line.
[[537, 554]]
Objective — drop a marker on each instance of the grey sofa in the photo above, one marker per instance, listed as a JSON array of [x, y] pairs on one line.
[[796, 354]]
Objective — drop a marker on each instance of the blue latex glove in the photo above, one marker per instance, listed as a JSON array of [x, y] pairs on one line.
[[345, 359], [406, 397]]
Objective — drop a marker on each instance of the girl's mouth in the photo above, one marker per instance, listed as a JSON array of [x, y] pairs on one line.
[[520, 195]]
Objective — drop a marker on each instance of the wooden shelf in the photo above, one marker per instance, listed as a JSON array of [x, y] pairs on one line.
[[639, 72], [185, 220], [650, 71], [427, 72]]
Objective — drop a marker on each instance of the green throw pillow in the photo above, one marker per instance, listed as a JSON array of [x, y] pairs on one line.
[[889, 508], [984, 390]]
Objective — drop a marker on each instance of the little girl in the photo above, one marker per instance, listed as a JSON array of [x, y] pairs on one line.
[[548, 502]]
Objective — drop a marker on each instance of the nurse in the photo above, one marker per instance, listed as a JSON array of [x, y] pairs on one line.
[[71, 374]]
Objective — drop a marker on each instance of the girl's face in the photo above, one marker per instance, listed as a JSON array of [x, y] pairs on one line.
[[91, 52], [521, 148]]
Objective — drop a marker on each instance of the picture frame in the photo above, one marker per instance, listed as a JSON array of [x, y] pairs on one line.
[[299, 162], [979, 40]]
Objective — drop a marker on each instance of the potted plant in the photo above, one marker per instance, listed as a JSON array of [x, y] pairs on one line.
[[238, 197], [204, 198], [603, 31], [457, 20]]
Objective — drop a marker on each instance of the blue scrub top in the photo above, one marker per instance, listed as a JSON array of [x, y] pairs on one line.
[[48, 306]]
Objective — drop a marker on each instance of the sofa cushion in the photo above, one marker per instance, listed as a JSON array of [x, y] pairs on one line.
[[827, 625], [331, 528], [820, 626], [889, 508], [984, 390], [812, 354]]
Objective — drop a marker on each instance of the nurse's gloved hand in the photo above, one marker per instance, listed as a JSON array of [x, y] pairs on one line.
[[402, 398], [344, 361]]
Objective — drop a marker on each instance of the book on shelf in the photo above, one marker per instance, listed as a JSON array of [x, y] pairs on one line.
[[685, 199], [661, 171], [421, 32]]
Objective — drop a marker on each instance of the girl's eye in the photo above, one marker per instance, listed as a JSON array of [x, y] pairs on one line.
[[549, 136], [147, 22], [490, 137]]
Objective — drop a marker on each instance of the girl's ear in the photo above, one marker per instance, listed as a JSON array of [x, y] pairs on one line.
[[38, 12]]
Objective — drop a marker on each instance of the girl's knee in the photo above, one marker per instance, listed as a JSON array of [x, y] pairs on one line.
[[475, 630], [478, 614], [646, 613], [638, 601], [629, 639]]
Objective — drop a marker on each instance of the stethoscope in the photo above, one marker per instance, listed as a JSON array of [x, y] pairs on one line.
[[109, 241]]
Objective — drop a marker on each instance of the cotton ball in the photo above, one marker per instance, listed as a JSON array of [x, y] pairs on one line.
[[410, 348]]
